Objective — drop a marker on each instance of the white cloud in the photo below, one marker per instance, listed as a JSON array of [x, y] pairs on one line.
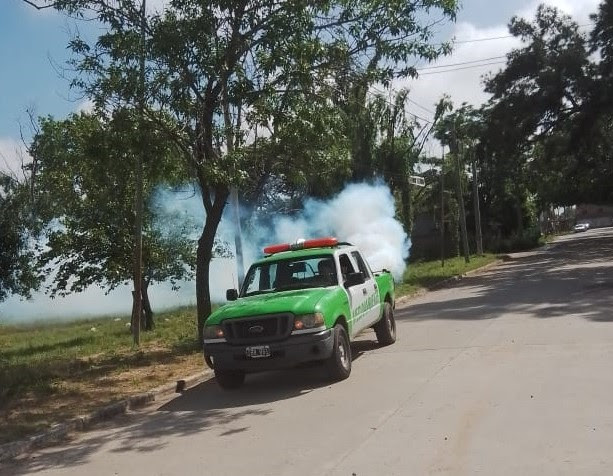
[[87, 105], [157, 5], [580, 10], [463, 85], [13, 155], [466, 85]]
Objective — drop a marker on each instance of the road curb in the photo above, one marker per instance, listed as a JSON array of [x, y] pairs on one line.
[[450, 281], [60, 431]]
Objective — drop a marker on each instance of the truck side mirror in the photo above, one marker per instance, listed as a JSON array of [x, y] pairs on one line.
[[353, 279], [231, 295]]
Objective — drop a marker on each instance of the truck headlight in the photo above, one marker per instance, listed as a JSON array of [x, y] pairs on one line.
[[214, 332], [309, 322]]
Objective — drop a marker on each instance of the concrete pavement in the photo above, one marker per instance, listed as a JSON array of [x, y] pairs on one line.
[[508, 372]]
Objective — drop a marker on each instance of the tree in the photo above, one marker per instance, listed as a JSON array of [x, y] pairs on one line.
[[17, 273], [537, 100], [84, 188], [458, 131], [401, 142], [212, 66]]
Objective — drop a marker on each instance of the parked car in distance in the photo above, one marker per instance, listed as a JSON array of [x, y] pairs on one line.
[[579, 227]]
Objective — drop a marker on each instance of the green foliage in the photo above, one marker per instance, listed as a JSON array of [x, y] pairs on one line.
[[427, 274], [550, 118], [17, 273], [523, 240], [85, 196]]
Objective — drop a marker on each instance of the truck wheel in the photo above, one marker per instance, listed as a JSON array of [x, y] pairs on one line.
[[230, 379], [339, 363], [386, 327]]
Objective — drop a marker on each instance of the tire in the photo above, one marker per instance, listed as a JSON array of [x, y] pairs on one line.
[[386, 327], [230, 379], [338, 365]]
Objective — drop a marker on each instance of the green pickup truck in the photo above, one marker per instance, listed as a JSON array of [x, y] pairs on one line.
[[302, 302]]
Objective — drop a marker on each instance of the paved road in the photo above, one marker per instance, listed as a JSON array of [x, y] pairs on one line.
[[510, 372]]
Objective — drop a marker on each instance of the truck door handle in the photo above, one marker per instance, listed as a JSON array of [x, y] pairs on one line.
[[364, 292]]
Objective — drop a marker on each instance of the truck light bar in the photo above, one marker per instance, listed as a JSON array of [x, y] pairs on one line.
[[301, 244]]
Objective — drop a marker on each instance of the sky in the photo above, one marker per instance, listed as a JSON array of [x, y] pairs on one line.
[[33, 53]]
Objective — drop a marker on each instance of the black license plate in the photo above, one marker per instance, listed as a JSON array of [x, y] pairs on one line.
[[257, 351]]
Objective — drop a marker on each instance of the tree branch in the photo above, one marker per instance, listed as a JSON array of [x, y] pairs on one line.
[[39, 7]]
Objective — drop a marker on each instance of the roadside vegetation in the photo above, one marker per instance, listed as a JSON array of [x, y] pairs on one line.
[[426, 274], [54, 371]]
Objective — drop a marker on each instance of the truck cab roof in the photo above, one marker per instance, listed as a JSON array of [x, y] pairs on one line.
[[305, 253]]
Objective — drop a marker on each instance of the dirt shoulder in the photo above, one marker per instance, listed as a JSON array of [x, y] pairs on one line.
[[51, 373]]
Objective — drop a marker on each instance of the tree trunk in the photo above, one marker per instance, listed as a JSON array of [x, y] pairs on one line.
[[407, 206], [443, 209], [138, 201], [460, 198], [135, 308], [204, 254], [519, 210], [478, 234], [148, 312]]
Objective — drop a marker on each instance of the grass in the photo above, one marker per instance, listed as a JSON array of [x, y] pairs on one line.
[[53, 371], [425, 275]]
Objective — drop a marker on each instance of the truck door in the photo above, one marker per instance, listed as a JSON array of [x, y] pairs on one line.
[[374, 300], [358, 295]]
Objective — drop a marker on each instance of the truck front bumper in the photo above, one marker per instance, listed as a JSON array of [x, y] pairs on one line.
[[295, 350]]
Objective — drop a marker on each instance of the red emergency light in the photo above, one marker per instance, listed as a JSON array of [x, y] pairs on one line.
[[301, 244]]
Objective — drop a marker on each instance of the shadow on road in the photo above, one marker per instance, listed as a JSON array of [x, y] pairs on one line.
[[205, 407], [574, 277], [259, 389]]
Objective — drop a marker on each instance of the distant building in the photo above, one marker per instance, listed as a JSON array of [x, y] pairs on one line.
[[596, 215], [426, 238]]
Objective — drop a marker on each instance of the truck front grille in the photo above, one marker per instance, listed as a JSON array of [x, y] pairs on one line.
[[258, 329]]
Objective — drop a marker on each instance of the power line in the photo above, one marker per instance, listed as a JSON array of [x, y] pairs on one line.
[[424, 108], [473, 62], [391, 91], [463, 68], [416, 116], [462, 63], [477, 40]]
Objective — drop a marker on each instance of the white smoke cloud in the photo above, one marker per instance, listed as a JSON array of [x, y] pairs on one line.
[[94, 301], [361, 214]]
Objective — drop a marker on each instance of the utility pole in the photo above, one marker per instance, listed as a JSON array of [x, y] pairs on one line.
[[137, 309], [238, 241], [443, 209], [478, 235], [460, 198], [230, 143]]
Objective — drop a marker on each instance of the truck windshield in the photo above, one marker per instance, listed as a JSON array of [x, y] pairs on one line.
[[291, 273]]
